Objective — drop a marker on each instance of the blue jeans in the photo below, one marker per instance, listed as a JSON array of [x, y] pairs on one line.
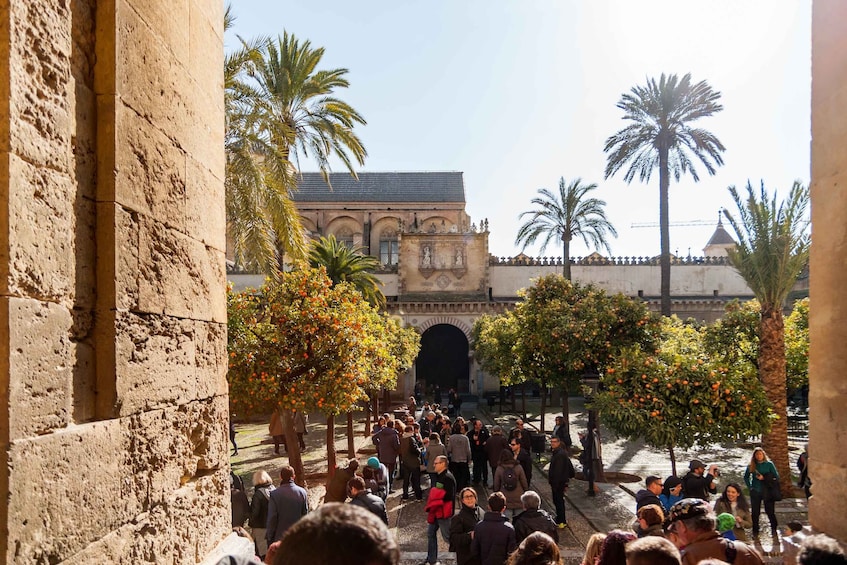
[[432, 538]]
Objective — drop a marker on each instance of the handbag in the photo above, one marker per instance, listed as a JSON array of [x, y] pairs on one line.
[[770, 488]]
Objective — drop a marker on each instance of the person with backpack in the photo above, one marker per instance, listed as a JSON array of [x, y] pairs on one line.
[[510, 479]]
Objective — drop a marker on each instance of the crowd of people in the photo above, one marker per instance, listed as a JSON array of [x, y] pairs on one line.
[[443, 463]]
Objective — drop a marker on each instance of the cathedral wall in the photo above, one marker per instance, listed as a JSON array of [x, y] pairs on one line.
[[113, 405]]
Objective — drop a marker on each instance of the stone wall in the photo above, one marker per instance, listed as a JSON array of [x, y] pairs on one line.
[[827, 327], [113, 400]]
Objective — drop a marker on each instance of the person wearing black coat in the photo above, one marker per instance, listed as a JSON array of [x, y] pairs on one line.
[[263, 485], [336, 490], [494, 538], [462, 526], [478, 437], [560, 473], [533, 519], [522, 456], [361, 496]]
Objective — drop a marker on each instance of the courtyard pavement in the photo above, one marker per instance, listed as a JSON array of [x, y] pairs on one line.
[[613, 507]]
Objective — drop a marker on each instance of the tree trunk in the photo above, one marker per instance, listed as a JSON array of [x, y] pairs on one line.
[[543, 405], [772, 375], [664, 228], [351, 441], [292, 445], [330, 446], [523, 400], [566, 258], [673, 460], [566, 414], [366, 431]]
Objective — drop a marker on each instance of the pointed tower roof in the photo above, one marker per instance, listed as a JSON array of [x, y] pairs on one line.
[[720, 240]]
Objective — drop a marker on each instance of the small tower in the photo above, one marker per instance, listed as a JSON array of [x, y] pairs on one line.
[[720, 241]]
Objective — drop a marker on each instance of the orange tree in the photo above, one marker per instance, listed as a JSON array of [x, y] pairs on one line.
[[679, 396], [495, 341], [304, 344], [567, 330]]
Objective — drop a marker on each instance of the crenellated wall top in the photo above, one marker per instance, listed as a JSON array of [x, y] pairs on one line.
[[598, 260]]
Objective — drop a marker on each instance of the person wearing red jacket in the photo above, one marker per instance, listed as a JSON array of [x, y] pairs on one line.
[[439, 509]]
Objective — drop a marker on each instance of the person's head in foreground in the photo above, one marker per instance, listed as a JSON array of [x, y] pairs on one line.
[[593, 547], [652, 550], [820, 549], [614, 547], [536, 549], [338, 534], [689, 518]]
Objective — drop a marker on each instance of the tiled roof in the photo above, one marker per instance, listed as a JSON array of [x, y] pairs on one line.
[[721, 237], [382, 187]]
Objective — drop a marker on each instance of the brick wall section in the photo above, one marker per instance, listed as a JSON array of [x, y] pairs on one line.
[[112, 310], [827, 327]]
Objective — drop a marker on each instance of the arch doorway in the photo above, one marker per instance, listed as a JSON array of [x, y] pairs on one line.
[[443, 359]]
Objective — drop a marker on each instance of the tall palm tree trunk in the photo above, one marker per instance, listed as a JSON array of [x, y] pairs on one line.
[[665, 232], [772, 372], [566, 258]]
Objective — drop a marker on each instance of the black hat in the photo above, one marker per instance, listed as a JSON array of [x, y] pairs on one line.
[[696, 464]]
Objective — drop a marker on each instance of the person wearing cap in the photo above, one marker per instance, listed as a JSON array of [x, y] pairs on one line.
[[381, 477], [692, 524], [697, 483]]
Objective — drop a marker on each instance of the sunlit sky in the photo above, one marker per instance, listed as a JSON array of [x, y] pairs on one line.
[[516, 94]]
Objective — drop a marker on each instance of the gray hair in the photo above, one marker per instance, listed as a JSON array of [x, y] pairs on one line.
[[530, 500], [703, 523]]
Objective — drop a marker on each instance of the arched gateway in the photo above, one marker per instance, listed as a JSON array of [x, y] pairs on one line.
[[443, 359]]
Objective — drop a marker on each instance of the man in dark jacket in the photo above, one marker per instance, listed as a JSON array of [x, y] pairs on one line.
[[650, 495], [289, 502], [336, 490], [697, 483], [494, 537], [478, 437], [533, 519], [559, 475], [387, 442], [410, 464], [494, 447], [366, 499], [524, 439], [521, 455]]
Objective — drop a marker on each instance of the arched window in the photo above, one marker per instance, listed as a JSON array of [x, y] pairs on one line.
[[389, 247], [345, 236]]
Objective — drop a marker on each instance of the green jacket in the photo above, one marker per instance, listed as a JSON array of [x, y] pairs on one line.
[[761, 468]]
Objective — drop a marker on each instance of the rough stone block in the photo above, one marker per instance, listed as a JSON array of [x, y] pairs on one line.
[[117, 258], [41, 253], [166, 24], [210, 359], [149, 170], [72, 488], [39, 105], [41, 361], [176, 446], [154, 362], [180, 276], [828, 504], [205, 218]]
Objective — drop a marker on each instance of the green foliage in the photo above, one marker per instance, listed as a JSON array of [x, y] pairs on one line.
[[345, 264], [678, 397], [797, 345], [734, 338], [495, 339], [565, 216], [304, 343], [560, 331], [773, 241]]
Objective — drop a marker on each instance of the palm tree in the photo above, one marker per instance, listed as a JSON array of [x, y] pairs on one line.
[[564, 216], [261, 217], [294, 94], [773, 247], [661, 135], [350, 265]]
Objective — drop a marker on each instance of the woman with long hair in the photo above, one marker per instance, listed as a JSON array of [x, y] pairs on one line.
[[510, 479], [614, 548], [593, 548], [536, 549], [758, 471], [732, 501], [263, 485]]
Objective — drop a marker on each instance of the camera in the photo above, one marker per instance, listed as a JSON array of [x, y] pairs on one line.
[[716, 472]]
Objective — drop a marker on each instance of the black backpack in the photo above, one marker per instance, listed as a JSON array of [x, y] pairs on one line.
[[510, 478]]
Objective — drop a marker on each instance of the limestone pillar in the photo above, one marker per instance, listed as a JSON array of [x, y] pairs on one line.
[[113, 400], [828, 310]]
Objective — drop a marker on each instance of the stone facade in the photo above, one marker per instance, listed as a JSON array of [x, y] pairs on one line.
[[113, 404], [827, 328]]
